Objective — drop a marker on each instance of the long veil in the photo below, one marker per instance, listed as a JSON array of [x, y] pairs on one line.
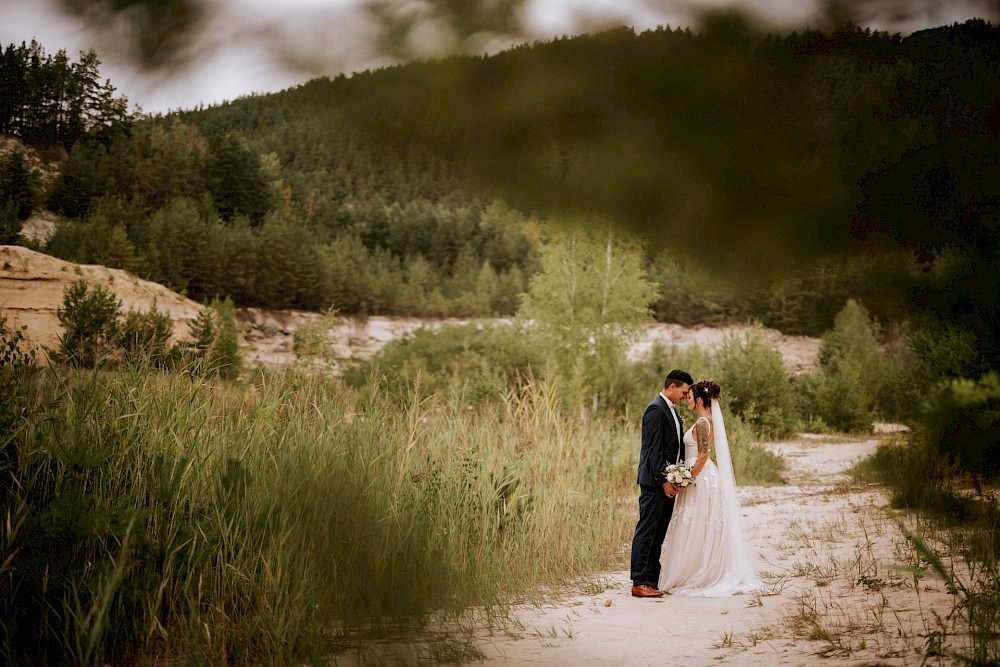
[[731, 503]]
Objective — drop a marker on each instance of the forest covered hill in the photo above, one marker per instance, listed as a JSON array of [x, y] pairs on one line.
[[792, 171]]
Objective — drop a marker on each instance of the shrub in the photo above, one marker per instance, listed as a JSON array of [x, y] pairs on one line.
[[900, 391], [483, 362], [215, 346], [962, 421], [640, 380], [843, 389], [840, 399], [853, 339], [313, 340], [755, 384], [947, 351], [145, 336], [906, 464]]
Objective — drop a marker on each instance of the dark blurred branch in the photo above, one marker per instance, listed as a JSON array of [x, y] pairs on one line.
[[154, 33], [164, 33]]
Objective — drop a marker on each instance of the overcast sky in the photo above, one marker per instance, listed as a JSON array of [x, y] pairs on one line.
[[259, 46]]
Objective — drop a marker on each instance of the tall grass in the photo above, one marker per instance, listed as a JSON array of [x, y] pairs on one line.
[[288, 518], [753, 463], [958, 538]]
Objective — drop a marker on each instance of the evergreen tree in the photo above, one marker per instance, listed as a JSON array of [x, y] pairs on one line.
[[215, 340], [20, 185], [10, 225], [90, 325], [236, 178]]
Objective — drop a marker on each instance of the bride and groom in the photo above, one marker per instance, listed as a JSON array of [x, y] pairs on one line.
[[688, 540]]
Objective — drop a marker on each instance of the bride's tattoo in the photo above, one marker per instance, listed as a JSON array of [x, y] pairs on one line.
[[701, 436]]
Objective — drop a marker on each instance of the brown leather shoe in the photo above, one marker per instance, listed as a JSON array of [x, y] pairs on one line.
[[645, 591]]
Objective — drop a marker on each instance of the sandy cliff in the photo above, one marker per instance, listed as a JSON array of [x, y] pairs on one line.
[[32, 286]]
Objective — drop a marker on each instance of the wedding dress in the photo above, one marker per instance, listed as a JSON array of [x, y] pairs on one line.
[[704, 554]]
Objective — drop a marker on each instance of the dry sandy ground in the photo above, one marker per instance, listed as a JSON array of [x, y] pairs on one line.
[[838, 589]]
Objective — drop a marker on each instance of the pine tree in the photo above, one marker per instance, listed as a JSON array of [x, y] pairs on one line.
[[19, 185], [90, 325]]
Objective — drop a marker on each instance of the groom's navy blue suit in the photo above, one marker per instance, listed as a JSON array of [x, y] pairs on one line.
[[660, 446]]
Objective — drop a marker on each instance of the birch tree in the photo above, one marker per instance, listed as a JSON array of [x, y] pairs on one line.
[[589, 302]]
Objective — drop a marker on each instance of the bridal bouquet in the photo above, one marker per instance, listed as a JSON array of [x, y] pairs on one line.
[[678, 475]]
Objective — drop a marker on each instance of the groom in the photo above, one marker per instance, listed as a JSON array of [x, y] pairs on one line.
[[661, 443]]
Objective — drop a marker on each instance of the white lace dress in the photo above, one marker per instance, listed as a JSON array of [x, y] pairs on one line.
[[702, 554]]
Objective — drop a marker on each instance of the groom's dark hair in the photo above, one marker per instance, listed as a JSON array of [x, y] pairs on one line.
[[678, 378]]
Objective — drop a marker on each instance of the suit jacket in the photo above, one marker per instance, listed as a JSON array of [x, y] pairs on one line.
[[660, 444]]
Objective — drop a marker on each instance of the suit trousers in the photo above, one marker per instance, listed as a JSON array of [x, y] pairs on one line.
[[655, 510]]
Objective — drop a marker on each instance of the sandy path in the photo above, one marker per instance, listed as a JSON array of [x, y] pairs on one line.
[[838, 593]]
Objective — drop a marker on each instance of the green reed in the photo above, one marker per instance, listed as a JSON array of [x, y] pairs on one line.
[[289, 518]]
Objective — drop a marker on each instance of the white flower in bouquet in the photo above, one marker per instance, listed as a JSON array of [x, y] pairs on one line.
[[678, 475]]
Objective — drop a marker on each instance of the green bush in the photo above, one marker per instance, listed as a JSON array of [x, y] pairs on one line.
[[842, 391], [854, 339], [641, 379], [900, 391], [755, 384], [481, 362], [947, 351], [917, 475], [214, 348], [95, 334], [840, 399], [962, 420], [145, 336], [312, 340]]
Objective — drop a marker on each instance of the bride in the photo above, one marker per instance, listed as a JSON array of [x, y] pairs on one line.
[[704, 553]]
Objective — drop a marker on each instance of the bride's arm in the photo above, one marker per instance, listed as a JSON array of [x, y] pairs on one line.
[[703, 438]]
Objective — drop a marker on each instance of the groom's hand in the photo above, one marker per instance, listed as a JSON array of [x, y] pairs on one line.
[[670, 489]]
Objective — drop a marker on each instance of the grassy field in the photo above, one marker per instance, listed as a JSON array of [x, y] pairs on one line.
[[290, 517]]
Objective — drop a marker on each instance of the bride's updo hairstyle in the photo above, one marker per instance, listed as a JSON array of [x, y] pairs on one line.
[[707, 391]]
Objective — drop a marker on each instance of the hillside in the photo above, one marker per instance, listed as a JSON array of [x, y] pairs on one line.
[[32, 286]]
